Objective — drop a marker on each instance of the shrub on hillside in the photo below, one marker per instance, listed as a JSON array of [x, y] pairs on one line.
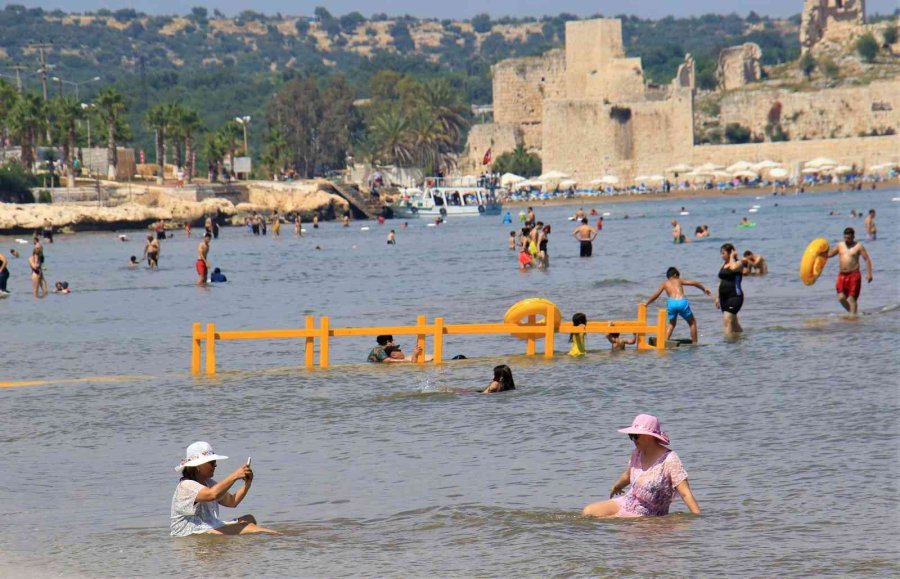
[[867, 47], [735, 133]]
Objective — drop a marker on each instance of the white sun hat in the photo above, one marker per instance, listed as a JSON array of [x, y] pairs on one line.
[[198, 453]]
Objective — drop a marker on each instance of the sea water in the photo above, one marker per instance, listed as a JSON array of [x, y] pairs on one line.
[[789, 434]]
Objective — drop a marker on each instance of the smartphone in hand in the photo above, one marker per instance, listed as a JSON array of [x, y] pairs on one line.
[[248, 460]]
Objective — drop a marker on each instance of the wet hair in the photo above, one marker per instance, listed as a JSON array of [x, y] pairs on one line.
[[217, 270], [672, 272], [503, 374], [748, 253], [850, 231], [383, 339], [391, 349], [539, 224], [584, 221], [134, 259], [578, 319], [699, 229], [512, 233], [727, 248], [547, 229], [614, 335]]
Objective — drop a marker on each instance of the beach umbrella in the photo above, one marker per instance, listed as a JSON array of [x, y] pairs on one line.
[[778, 173], [553, 176], [679, 168], [642, 179], [609, 180], [566, 183], [746, 175], [819, 163], [767, 164], [509, 179], [656, 178], [842, 170], [811, 171], [708, 168], [739, 166]]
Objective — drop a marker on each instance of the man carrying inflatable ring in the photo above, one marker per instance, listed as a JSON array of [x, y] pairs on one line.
[[849, 279]]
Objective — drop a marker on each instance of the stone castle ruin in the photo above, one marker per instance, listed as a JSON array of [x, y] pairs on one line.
[[835, 20], [587, 110]]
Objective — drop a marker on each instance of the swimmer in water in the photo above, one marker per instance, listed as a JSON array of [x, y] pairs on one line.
[[525, 260], [585, 234], [677, 304], [512, 240], [619, 343], [755, 262], [62, 287], [849, 279], [871, 228], [133, 262], [391, 238], [151, 252], [14, 253], [677, 235], [503, 380], [577, 340], [202, 264]]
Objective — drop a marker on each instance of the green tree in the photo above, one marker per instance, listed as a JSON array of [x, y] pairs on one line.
[[867, 47], [481, 23], [157, 120], [889, 34], [27, 121], [111, 106], [67, 111], [807, 64], [735, 133], [446, 106], [389, 138], [519, 162]]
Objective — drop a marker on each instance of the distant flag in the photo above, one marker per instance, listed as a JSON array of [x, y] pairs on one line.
[[487, 158], [142, 156]]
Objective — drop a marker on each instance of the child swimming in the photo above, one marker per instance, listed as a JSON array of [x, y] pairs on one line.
[[577, 340]]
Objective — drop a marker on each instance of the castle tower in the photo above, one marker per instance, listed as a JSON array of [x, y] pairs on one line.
[[829, 19]]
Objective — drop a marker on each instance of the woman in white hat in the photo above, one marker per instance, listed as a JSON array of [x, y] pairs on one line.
[[195, 505], [654, 472]]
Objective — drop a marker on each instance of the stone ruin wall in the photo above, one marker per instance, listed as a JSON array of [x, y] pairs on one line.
[[830, 20], [594, 143], [596, 66], [834, 113], [520, 86], [738, 66], [498, 138]]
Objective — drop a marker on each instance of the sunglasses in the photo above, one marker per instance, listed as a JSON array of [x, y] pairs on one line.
[[633, 437]]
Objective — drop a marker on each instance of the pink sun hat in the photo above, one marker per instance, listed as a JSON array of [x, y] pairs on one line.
[[646, 424]]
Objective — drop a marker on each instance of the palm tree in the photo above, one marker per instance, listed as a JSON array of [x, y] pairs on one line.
[[428, 140], [447, 108], [68, 112], [27, 120], [276, 151], [157, 120], [191, 125], [175, 133], [389, 133], [214, 150], [230, 134], [111, 106]]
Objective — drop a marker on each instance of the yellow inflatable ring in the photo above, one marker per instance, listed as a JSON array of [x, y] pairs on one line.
[[814, 259], [537, 307]]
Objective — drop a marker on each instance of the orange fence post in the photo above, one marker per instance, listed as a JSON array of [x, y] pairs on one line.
[[661, 330], [549, 332], [420, 340], [210, 349], [642, 319], [323, 342], [438, 340], [195, 348], [529, 344], [310, 343]]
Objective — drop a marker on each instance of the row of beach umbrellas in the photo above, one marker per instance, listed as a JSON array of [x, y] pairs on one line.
[[553, 180]]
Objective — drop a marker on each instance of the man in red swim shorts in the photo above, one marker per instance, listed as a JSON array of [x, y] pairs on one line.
[[849, 279], [202, 263]]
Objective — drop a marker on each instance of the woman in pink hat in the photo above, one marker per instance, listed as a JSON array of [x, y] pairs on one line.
[[195, 505], [654, 472]]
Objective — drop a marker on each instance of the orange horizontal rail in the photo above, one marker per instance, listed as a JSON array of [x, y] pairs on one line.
[[529, 330]]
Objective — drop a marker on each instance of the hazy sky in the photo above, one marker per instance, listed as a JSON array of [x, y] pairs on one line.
[[458, 8]]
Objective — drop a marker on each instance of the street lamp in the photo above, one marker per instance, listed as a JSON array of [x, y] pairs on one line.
[[73, 83], [244, 121]]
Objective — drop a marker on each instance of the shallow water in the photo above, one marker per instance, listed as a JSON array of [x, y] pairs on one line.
[[789, 434]]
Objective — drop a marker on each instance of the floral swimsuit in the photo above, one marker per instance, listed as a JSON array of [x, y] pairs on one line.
[[651, 490]]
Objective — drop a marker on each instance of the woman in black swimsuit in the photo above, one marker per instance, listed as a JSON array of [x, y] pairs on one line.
[[543, 256], [730, 297]]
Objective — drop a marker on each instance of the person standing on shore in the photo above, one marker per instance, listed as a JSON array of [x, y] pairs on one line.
[[585, 234], [151, 252], [849, 279], [871, 228], [4, 274], [202, 264]]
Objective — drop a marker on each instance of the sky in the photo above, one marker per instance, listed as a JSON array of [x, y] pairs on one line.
[[457, 9]]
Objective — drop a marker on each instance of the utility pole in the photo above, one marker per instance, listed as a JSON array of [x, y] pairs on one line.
[[41, 46], [19, 68]]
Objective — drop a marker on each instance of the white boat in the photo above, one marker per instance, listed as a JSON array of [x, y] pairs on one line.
[[444, 198]]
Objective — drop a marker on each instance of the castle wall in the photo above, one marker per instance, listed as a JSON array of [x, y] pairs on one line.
[[859, 151], [498, 138], [835, 113], [521, 84]]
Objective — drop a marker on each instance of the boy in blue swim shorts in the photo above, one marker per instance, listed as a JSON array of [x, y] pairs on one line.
[[677, 304]]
